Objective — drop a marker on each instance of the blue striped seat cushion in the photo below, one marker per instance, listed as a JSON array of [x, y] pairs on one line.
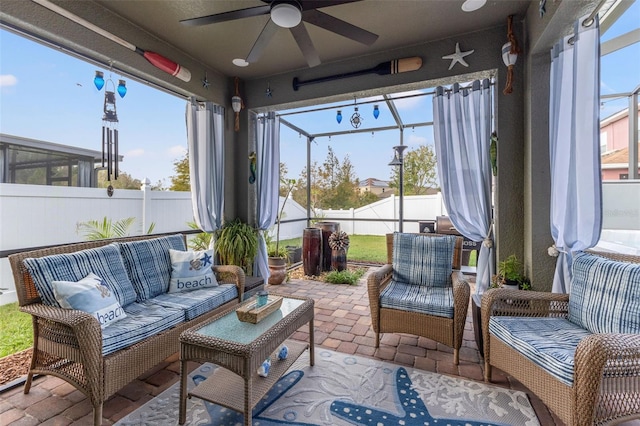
[[149, 264], [436, 301], [549, 342], [143, 320], [197, 302], [605, 294], [423, 260], [104, 262]]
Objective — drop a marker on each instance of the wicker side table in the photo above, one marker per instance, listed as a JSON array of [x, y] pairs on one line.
[[240, 348]]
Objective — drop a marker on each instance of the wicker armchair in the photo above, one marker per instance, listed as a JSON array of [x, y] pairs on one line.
[[603, 384], [443, 328]]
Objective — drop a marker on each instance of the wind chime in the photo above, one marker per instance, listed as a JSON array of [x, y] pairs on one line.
[[109, 127]]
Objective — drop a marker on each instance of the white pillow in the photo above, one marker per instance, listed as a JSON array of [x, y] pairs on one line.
[[91, 295], [191, 270]]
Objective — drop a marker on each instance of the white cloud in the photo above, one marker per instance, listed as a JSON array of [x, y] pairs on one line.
[[176, 151], [415, 140], [7, 80], [409, 103], [134, 153]]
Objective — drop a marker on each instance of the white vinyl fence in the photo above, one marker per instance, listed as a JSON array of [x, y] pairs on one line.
[[38, 215]]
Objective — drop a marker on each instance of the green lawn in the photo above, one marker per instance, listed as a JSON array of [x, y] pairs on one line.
[[16, 332], [362, 248]]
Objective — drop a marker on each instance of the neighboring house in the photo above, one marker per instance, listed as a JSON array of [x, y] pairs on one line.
[[35, 162], [614, 145], [375, 186]]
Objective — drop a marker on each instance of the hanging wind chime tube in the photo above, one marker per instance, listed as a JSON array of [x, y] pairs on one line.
[[510, 52], [110, 135]]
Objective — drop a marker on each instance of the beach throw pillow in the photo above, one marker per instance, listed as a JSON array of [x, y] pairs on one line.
[[191, 270], [90, 295]]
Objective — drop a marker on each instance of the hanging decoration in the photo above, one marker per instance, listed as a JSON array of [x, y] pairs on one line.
[[339, 117], [493, 152], [110, 125], [542, 8], [356, 119], [510, 52], [268, 92], [237, 104], [253, 161], [376, 112], [155, 59], [205, 81], [385, 68], [458, 56]]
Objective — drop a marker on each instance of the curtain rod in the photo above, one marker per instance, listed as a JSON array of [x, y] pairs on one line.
[[432, 92], [590, 19]]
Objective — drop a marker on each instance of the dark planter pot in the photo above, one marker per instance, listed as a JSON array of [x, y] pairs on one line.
[[327, 229], [277, 269], [312, 251], [338, 259], [294, 254]]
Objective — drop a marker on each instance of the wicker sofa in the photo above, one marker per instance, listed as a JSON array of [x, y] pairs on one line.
[[578, 352], [97, 359]]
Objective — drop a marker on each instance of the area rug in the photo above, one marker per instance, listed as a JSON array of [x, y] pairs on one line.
[[344, 389]]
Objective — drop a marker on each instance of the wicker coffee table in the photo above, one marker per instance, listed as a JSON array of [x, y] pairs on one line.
[[240, 348]]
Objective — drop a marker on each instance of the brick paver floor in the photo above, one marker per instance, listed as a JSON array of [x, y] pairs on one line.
[[342, 323]]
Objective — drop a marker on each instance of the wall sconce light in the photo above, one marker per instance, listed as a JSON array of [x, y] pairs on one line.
[[376, 112], [98, 80], [339, 117], [237, 104], [122, 88]]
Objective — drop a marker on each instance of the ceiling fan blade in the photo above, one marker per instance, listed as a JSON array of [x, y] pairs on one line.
[[317, 4], [262, 41], [228, 16], [305, 44], [339, 26]]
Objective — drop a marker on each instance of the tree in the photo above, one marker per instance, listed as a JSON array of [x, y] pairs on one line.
[[124, 181], [419, 172], [181, 180]]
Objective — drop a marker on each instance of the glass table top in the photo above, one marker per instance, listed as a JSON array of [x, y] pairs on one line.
[[230, 328]]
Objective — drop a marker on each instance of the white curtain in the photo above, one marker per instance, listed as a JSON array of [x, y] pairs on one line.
[[205, 138], [574, 147], [462, 130], [267, 133]]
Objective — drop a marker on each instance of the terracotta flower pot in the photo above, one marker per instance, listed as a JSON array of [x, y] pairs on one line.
[[278, 270]]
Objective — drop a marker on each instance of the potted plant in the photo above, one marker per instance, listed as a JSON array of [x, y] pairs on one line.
[[237, 244], [510, 275], [278, 255]]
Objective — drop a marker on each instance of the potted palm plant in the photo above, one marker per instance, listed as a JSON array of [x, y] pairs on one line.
[[278, 255], [237, 244]]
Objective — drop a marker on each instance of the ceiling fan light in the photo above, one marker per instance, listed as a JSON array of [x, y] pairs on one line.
[[286, 14], [473, 5]]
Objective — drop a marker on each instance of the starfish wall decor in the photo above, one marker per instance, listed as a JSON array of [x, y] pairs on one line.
[[458, 56]]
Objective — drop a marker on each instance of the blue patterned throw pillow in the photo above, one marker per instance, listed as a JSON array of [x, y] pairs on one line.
[[91, 295], [605, 294], [423, 260], [191, 270]]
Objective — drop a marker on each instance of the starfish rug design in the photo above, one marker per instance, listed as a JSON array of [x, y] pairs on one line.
[[350, 390]]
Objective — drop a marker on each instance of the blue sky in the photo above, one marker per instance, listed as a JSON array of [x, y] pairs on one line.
[[48, 95]]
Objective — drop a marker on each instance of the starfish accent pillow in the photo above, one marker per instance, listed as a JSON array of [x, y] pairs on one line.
[[91, 295], [191, 270]]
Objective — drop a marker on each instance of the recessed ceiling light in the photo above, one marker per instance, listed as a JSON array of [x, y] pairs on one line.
[[239, 62], [472, 5]]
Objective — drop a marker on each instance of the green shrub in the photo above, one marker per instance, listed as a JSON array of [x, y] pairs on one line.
[[345, 277]]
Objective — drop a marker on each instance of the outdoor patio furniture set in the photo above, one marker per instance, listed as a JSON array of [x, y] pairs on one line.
[[580, 353]]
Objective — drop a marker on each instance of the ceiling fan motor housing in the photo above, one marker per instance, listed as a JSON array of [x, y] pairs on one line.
[[286, 13]]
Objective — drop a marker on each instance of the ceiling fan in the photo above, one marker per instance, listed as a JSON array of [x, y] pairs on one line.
[[291, 14]]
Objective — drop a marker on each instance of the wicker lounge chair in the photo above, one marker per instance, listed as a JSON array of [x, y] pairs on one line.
[[443, 314], [584, 374]]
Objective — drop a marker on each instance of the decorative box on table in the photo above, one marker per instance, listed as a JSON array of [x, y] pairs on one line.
[[251, 313]]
